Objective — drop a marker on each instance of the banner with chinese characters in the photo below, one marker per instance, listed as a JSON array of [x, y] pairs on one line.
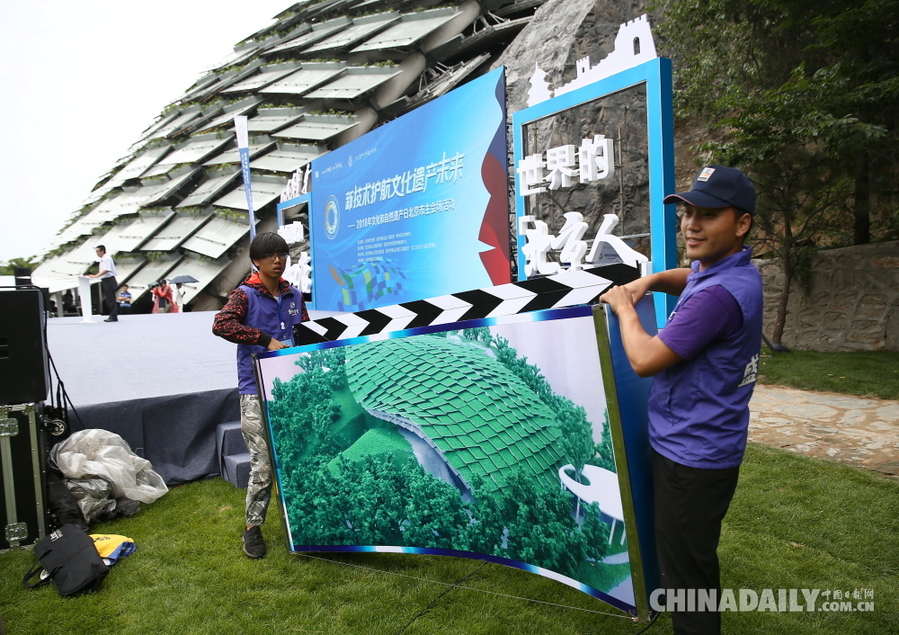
[[417, 207], [519, 440], [593, 164]]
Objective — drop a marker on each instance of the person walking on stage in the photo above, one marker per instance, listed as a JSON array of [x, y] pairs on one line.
[[108, 284], [704, 364], [259, 316]]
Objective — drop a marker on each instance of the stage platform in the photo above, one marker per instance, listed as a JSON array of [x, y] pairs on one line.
[[162, 382]]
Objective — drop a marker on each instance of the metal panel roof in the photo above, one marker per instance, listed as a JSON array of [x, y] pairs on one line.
[[116, 242], [271, 119], [448, 80], [71, 263], [287, 158], [266, 76], [59, 273], [190, 127], [205, 271], [208, 190], [201, 86], [129, 202], [362, 28], [240, 54], [223, 81], [412, 28], [233, 155], [265, 190], [151, 272], [311, 75], [75, 230], [176, 232], [216, 236], [316, 128], [204, 80], [194, 151], [355, 82], [154, 127], [318, 32], [297, 39], [138, 165], [182, 119], [112, 208], [97, 194], [242, 108], [127, 237], [164, 189], [126, 267]]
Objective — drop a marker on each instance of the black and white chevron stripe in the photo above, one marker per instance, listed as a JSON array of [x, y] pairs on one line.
[[565, 289]]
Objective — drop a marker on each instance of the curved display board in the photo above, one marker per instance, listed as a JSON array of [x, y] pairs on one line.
[[499, 439]]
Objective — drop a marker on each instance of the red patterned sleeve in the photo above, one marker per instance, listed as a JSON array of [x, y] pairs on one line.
[[229, 322]]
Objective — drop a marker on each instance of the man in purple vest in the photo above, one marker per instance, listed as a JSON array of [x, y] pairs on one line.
[[704, 364], [259, 316]]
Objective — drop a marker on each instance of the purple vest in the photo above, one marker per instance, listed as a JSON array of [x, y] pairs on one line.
[[272, 317], [699, 408]]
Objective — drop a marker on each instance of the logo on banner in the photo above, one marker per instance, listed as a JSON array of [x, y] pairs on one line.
[[332, 217]]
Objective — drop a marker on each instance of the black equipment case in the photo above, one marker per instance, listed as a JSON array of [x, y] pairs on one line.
[[23, 473]]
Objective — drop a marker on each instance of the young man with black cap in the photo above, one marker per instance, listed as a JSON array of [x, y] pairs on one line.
[[259, 316], [704, 364]]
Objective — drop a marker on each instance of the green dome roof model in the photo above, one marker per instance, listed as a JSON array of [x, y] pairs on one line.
[[478, 415], [375, 443]]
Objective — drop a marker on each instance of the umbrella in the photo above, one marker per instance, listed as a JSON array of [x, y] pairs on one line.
[[182, 279]]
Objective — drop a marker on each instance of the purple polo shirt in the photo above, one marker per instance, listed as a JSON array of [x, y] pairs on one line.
[[712, 315], [699, 407]]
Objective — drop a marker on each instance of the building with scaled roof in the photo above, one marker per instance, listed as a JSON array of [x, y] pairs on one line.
[[476, 417]]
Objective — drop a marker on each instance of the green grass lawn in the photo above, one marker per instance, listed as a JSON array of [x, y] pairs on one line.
[[861, 373], [796, 522]]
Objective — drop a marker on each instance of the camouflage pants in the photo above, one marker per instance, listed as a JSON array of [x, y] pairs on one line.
[[259, 488]]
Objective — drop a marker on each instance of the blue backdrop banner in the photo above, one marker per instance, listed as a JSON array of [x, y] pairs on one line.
[[416, 208]]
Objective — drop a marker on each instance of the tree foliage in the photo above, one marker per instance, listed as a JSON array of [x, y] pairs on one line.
[[9, 268], [801, 95]]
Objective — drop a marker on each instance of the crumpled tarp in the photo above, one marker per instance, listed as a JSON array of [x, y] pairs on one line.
[[104, 475]]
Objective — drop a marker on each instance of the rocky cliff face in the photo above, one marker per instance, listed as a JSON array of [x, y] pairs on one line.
[[561, 33]]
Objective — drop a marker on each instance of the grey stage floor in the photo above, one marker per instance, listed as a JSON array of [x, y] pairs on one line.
[[139, 356]]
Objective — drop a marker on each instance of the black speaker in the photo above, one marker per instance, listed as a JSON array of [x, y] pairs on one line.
[[24, 371], [22, 276]]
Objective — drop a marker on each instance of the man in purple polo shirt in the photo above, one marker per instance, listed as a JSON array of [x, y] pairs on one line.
[[704, 364]]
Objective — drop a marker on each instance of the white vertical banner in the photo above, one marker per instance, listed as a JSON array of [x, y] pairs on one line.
[[243, 148]]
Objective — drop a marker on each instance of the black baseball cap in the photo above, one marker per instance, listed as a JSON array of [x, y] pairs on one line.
[[719, 186]]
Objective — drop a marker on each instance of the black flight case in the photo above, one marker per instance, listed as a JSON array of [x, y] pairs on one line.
[[23, 475]]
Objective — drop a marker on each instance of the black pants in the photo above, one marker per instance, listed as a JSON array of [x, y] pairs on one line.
[[108, 286], [690, 504]]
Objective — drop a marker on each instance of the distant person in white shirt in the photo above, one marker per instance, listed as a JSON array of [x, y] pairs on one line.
[[178, 296], [108, 284]]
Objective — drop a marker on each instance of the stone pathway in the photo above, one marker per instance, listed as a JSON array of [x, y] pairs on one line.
[[858, 431]]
